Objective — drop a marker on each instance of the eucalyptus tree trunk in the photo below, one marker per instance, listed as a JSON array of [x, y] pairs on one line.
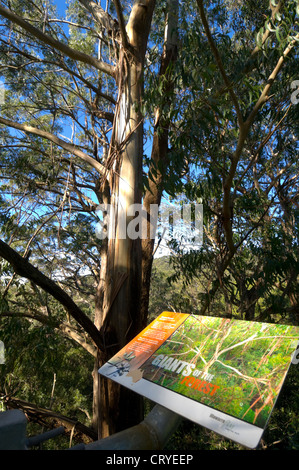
[[160, 155], [117, 313], [123, 294]]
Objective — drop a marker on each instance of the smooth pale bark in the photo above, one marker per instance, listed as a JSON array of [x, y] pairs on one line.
[[119, 293], [128, 263], [120, 311]]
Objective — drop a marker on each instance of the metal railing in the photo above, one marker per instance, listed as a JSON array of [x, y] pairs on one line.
[[13, 427], [151, 434]]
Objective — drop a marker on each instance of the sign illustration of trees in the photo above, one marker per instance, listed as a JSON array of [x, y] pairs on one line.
[[234, 366]]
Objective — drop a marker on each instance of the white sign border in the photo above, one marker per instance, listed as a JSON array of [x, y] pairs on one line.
[[227, 426]]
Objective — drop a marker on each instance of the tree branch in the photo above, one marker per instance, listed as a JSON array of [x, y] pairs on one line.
[[244, 129], [227, 203], [122, 25], [25, 269], [101, 17], [264, 95], [56, 140], [245, 377], [60, 46], [159, 154], [45, 416], [219, 61], [64, 327], [59, 63], [274, 10]]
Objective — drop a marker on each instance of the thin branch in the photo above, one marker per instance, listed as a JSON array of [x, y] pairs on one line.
[[44, 416], [264, 95], [227, 208], [219, 61], [25, 269], [246, 377], [60, 46], [64, 327], [60, 64], [275, 10], [56, 140], [254, 338], [122, 25], [227, 213], [70, 23], [26, 252], [101, 17], [244, 129], [260, 147]]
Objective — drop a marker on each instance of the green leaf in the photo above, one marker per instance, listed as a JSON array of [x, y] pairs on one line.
[[259, 37], [278, 35], [270, 28]]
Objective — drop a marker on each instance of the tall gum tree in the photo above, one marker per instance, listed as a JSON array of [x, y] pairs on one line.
[[125, 264], [118, 305]]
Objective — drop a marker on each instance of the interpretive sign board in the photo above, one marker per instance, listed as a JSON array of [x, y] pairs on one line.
[[223, 374]]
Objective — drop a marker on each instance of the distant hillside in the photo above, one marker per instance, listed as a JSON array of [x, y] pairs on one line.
[[172, 296]]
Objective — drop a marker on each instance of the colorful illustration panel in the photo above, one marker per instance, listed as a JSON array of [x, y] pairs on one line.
[[221, 373]]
